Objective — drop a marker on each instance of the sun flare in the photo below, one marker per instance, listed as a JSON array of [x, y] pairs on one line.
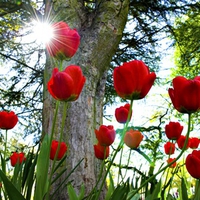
[[42, 32]]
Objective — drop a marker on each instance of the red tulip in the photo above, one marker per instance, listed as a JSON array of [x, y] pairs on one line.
[[66, 85], [133, 80], [61, 152], [8, 120], [101, 152], [17, 158], [186, 94], [194, 142], [173, 130], [65, 41], [169, 148], [105, 135], [133, 138], [121, 113], [181, 142], [192, 163], [170, 160]]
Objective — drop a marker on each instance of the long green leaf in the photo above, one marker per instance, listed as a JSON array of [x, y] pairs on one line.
[[13, 193], [71, 193], [156, 191], [111, 187], [42, 169], [184, 190]]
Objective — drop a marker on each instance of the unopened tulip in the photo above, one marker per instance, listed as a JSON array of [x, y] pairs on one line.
[[17, 158], [8, 120], [194, 142], [101, 152], [121, 113], [62, 148], [173, 130], [170, 160], [133, 138], [169, 148], [181, 141], [105, 135]]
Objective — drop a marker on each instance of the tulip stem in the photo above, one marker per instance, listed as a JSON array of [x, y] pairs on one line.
[[129, 155], [197, 190], [54, 120], [4, 153], [60, 138], [169, 164]]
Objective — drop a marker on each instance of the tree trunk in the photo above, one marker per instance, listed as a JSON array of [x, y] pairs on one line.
[[100, 32]]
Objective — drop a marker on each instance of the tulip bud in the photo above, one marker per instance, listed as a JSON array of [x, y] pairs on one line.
[[101, 152], [121, 113], [61, 152], [133, 138], [173, 130], [8, 120], [105, 135], [17, 158]]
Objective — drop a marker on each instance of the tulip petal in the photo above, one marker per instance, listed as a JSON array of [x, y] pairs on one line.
[[148, 82], [60, 85], [123, 82], [193, 165], [76, 74]]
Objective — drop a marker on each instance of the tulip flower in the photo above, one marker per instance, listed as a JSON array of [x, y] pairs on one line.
[[61, 151], [101, 152], [17, 158], [65, 41], [170, 160], [194, 142], [185, 94], [133, 138], [133, 80], [8, 120], [192, 163], [181, 142], [173, 130], [105, 135], [121, 113], [169, 148], [66, 85]]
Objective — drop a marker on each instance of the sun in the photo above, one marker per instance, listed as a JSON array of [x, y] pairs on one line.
[[42, 32]]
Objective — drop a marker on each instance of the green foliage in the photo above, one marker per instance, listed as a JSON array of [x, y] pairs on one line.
[[72, 194], [12, 191], [187, 59], [42, 169], [184, 194]]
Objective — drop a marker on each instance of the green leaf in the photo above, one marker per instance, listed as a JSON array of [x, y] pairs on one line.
[[135, 197], [184, 190], [11, 190], [156, 191], [29, 174], [111, 187], [82, 192], [42, 169], [3, 164], [71, 192], [121, 192]]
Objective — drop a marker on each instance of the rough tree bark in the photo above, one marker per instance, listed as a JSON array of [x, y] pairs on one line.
[[101, 32]]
